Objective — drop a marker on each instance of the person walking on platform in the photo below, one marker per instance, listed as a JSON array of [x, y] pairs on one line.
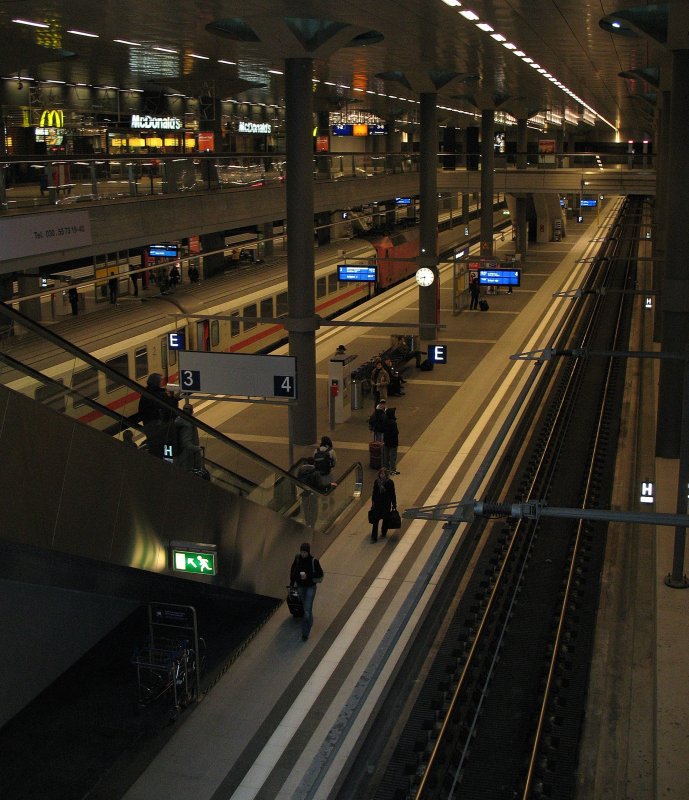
[[383, 500], [134, 277], [376, 422], [73, 295], [154, 417], [112, 288], [305, 575], [391, 436], [380, 380], [475, 291]]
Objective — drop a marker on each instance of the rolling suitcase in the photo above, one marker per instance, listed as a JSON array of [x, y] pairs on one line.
[[294, 603], [483, 305], [375, 453]]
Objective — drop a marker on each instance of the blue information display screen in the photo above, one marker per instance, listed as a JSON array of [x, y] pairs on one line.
[[403, 201], [163, 251], [499, 277], [356, 272], [588, 202]]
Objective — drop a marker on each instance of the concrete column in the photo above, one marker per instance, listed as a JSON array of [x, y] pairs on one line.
[[659, 246], [267, 244], [300, 255], [521, 143], [559, 146], [487, 167], [466, 197], [429, 296], [212, 264], [28, 285], [675, 298], [521, 229]]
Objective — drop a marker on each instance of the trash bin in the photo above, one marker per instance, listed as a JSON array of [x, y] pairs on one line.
[[357, 399]]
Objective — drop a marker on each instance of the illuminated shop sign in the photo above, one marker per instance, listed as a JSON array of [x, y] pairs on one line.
[[156, 123], [52, 118], [255, 127]]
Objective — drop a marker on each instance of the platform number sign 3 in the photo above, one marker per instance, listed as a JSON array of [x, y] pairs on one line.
[[283, 386], [190, 380]]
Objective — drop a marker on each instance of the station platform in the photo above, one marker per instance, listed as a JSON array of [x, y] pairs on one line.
[[272, 723]]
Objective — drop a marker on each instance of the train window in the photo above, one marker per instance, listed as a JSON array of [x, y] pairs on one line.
[[172, 357], [281, 305], [119, 364], [215, 333], [85, 383], [234, 324], [163, 352], [320, 287], [267, 307], [140, 363], [52, 396], [249, 311], [332, 283]]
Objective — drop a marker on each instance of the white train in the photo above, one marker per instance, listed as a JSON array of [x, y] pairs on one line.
[[132, 338]]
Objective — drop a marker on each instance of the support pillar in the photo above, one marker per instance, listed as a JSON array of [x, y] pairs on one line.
[[522, 143], [487, 167], [212, 243], [520, 227], [675, 299], [300, 255], [559, 147], [659, 241], [265, 233], [429, 296], [466, 197]]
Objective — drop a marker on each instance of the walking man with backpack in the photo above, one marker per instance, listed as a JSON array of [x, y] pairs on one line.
[[305, 575]]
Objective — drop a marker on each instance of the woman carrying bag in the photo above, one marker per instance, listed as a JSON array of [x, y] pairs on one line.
[[383, 502]]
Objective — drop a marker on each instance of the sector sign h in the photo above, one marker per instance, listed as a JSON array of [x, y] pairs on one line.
[[238, 374]]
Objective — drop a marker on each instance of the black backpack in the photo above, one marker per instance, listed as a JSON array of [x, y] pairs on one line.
[[321, 461]]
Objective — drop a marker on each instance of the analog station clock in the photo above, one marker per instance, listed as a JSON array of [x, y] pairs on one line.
[[424, 276]]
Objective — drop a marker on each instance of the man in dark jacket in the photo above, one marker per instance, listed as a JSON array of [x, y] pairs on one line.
[[376, 422], [383, 500], [306, 573], [154, 417], [391, 436]]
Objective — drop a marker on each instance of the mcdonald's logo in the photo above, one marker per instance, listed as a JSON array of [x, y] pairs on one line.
[[52, 118]]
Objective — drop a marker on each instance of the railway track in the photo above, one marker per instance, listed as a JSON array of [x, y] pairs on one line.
[[498, 709]]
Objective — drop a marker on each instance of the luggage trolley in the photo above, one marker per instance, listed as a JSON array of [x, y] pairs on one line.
[[172, 658]]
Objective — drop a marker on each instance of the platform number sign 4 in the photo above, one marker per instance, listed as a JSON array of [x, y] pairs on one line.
[[190, 380], [283, 386]]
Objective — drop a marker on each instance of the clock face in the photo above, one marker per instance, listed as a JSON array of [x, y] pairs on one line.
[[424, 276]]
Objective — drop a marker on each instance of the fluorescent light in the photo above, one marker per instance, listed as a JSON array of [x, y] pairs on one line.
[[124, 41], [535, 65], [196, 55], [165, 50], [452, 2], [498, 37], [29, 22], [509, 45], [484, 26], [469, 15], [84, 33], [275, 72], [520, 53], [231, 63], [527, 60]]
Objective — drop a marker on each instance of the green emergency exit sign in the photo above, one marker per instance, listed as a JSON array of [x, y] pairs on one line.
[[200, 563]]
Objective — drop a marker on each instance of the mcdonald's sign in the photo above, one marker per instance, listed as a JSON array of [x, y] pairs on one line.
[[52, 118]]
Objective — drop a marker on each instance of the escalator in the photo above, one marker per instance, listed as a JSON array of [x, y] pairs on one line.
[[90, 527]]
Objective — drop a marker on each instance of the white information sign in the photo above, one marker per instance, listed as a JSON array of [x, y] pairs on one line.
[[237, 374], [35, 234]]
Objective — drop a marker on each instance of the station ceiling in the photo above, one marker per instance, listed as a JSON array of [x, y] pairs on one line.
[[369, 55]]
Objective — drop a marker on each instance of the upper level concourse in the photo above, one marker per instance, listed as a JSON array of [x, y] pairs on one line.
[[107, 206]]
